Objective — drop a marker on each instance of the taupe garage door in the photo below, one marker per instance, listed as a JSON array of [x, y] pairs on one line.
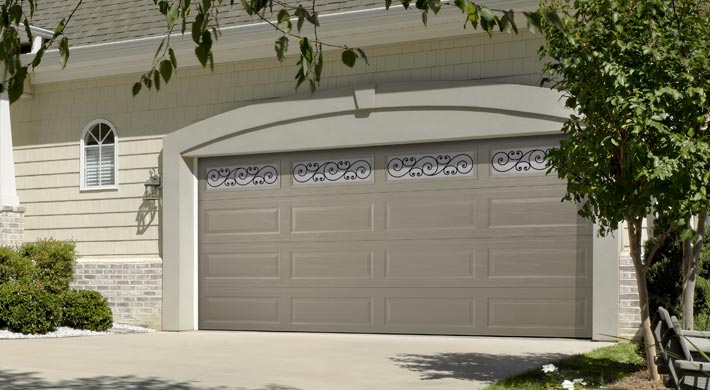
[[450, 238]]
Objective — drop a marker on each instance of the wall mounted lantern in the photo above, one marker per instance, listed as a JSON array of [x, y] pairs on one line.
[[152, 186]]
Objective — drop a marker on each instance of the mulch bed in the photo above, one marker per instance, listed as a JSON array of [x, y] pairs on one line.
[[637, 381]]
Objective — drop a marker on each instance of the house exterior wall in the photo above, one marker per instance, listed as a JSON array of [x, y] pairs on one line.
[[117, 233]]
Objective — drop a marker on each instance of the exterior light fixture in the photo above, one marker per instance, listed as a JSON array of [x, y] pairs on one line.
[[152, 186]]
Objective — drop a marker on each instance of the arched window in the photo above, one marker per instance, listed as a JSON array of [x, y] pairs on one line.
[[98, 155]]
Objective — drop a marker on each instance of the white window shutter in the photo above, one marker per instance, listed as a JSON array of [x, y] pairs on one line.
[[92, 165], [107, 165]]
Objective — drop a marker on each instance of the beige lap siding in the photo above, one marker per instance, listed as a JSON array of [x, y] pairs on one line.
[[106, 223]]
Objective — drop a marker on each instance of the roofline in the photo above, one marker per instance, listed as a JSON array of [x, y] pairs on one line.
[[41, 32], [365, 27]]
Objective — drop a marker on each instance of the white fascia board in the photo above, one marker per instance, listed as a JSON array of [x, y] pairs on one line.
[[359, 28]]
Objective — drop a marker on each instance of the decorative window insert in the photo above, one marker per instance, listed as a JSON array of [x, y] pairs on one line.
[[519, 160], [429, 166], [243, 176], [99, 150], [348, 170]]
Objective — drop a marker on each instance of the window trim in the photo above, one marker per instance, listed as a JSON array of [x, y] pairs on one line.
[[82, 154]]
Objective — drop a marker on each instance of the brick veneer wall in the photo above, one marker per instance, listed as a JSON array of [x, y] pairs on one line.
[[133, 288], [629, 313], [12, 224]]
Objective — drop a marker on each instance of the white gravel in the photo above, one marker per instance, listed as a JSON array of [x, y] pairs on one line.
[[64, 331]]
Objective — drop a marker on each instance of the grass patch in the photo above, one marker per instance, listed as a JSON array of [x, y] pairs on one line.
[[599, 367]]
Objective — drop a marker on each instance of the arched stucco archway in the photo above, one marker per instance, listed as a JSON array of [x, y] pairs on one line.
[[354, 117]]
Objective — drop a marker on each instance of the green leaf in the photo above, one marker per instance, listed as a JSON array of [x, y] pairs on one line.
[[173, 59], [488, 19], [166, 70], [284, 21], [137, 88], [424, 16], [461, 4], [160, 47], [156, 79], [38, 56], [507, 22], [553, 18], [363, 56], [533, 19], [388, 3], [197, 28], [281, 47], [16, 85], [301, 14], [306, 51], [349, 57], [63, 52], [172, 15], [472, 14]]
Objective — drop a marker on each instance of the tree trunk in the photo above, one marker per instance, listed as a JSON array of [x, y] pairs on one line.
[[691, 255], [636, 256]]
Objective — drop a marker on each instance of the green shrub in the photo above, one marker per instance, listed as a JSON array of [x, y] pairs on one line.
[[53, 263], [28, 310], [85, 309], [13, 266]]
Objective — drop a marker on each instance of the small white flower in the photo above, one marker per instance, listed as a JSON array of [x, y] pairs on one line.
[[549, 368], [568, 385], [579, 382]]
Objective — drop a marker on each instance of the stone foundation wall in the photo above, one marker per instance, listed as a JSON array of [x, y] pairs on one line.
[[133, 288], [12, 226]]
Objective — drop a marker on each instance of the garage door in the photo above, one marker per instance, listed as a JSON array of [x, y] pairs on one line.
[[464, 238]]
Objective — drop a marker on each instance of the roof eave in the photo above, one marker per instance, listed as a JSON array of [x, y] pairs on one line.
[[368, 27]]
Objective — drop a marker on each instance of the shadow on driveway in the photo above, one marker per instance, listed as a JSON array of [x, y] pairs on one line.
[[471, 366], [10, 380]]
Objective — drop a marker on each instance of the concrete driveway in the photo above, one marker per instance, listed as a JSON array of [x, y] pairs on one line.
[[272, 361]]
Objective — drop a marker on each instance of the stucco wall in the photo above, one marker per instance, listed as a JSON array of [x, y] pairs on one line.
[[118, 224]]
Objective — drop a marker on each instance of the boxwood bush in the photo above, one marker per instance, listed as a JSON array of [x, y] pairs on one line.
[[35, 295], [85, 309], [29, 310], [52, 262], [13, 267]]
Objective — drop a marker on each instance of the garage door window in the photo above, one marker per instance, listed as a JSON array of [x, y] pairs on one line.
[[519, 160]]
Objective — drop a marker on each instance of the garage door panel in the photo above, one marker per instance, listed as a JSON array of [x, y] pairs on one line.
[[424, 262], [567, 313], [242, 265], [243, 221], [426, 311], [332, 311], [234, 310], [336, 218], [429, 214], [483, 252], [556, 312], [333, 264], [544, 211], [539, 263]]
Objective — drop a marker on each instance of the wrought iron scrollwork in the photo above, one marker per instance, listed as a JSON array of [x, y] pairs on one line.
[[520, 160], [332, 171], [440, 165], [242, 176]]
